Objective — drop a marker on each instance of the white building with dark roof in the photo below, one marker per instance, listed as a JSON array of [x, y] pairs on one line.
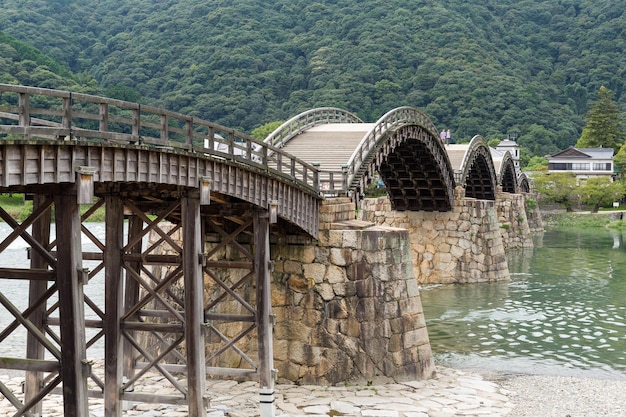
[[584, 162]]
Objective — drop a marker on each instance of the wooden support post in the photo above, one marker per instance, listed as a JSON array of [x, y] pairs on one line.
[[131, 292], [194, 306], [264, 312], [35, 350], [74, 370], [113, 304]]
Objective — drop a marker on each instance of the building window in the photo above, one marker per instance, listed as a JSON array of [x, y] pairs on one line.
[[602, 166], [580, 167], [557, 166]]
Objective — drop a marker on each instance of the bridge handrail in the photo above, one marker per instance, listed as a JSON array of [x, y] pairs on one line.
[[400, 116], [307, 120], [64, 115]]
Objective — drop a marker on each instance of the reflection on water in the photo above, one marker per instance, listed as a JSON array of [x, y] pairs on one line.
[[564, 310]]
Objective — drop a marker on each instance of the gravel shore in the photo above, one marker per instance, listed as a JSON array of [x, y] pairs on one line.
[[563, 396]]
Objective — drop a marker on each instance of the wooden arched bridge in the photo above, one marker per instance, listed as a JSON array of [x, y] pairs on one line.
[[145, 165]]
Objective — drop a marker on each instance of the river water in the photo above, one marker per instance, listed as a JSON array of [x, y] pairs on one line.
[[562, 313]]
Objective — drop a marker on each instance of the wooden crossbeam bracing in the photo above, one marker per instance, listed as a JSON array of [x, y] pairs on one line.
[[154, 320], [20, 230], [230, 289]]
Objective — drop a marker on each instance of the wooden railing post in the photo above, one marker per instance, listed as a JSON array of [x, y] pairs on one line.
[[24, 112], [189, 133], [136, 123], [164, 129], [67, 116], [231, 143], [104, 117]]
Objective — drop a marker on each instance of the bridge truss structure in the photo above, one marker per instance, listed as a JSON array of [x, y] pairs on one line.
[[156, 173]]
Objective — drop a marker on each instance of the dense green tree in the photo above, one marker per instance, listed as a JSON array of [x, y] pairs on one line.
[[536, 163], [605, 127], [619, 161], [600, 191], [559, 188], [476, 67], [264, 131]]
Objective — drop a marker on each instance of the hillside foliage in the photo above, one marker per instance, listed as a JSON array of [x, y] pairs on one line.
[[484, 67]]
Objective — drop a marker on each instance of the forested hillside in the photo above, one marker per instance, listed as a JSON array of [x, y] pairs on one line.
[[485, 67]]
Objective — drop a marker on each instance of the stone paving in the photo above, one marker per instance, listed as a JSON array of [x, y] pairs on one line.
[[451, 393]]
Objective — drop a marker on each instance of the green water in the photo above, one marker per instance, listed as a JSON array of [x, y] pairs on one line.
[[563, 311]]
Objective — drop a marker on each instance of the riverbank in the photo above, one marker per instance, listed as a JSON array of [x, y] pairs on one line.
[[452, 393], [607, 219], [561, 396]]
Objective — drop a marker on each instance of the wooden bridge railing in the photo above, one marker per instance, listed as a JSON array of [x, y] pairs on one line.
[[30, 113], [308, 119]]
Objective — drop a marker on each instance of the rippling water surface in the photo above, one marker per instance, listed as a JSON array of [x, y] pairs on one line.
[[563, 312]]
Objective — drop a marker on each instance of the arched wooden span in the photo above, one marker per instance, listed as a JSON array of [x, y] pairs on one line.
[[144, 165], [402, 146], [506, 172], [524, 183], [476, 172]]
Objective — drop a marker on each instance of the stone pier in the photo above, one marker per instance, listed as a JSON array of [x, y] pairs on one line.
[[514, 220], [348, 308], [460, 246]]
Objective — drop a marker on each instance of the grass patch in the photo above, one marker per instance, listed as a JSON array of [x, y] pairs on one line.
[[19, 208], [583, 221]]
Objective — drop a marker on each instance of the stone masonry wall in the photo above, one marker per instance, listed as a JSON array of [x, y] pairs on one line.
[[459, 246], [348, 308], [514, 224], [535, 221]]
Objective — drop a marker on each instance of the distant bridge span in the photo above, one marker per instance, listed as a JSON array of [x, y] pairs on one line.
[[403, 147]]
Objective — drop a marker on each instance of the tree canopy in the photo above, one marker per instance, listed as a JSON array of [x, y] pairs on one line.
[[605, 127], [476, 67]]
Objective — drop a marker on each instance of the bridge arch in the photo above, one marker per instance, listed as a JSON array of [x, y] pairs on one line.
[[410, 160], [524, 183], [507, 176], [403, 143], [476, 172]]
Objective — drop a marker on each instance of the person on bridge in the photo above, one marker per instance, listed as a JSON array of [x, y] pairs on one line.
[[448, 136], [442, 135]]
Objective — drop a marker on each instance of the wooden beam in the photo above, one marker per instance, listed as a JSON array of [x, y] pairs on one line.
[[33, 274], [71, 304], [264, 312], [131, 291], [113, 302], [35, 351], [31, 365], [194, 301]]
